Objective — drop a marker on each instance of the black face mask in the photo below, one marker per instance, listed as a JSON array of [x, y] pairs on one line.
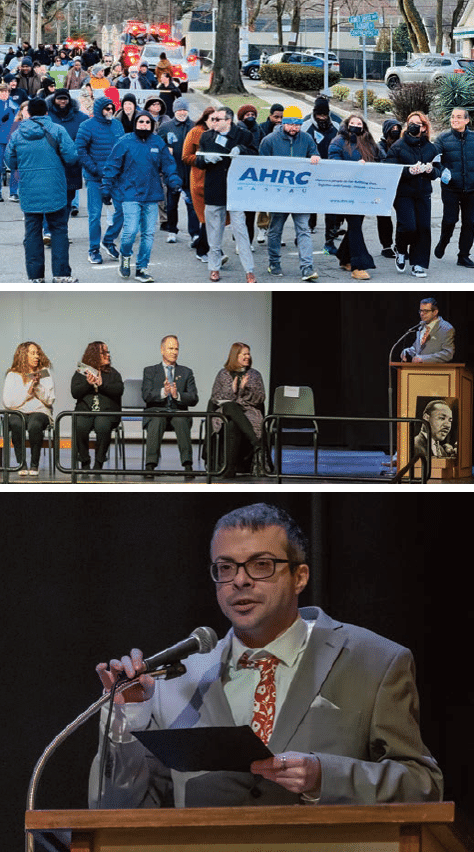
[[394, 133], [323, 123], [250, 120], [414, 129], [354, 128], [143, 132]]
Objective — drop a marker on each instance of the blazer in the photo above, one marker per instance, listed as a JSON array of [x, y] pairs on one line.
[[154, 380], [438, 348], [353, 702]]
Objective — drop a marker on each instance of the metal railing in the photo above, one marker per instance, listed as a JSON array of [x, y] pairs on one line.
[[276, 421], [74, 470], [5, 466]]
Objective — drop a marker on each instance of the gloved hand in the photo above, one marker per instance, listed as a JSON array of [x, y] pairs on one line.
[[107, 199], [212, 157], [235, 151]]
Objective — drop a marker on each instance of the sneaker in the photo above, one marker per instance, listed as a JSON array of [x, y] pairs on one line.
[[46, 239], [250, 278], [23, 471], [261, 234], [275, 269], [204, 258], [143, 276], [347, 267], [329, 248], [95, 256], [388, 252], [224, 258], [194, 241], [34, 471], [124, 268], [214, 276], [400, 261], [37, 280], [309, 274], [110, 249], [14, 198], [65, 279], [171, 238], [418, 272], [74, 211]]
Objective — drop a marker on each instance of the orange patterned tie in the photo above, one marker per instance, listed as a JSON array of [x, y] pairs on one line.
[[265, 694], [425, 337]]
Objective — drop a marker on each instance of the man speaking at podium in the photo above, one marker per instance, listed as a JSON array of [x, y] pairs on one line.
[[337, 704], [434, 342]]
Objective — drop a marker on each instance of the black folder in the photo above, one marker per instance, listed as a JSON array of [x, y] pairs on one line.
[[205, 749]]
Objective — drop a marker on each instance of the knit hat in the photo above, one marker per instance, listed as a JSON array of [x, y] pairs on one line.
[[321, 106], [180, 103], [37, 106], [292, 115], [243, 110], [61, 93], [25, 60], [130, 97]]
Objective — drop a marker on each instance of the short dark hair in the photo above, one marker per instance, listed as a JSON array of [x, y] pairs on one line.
[[428, 300], [229, 113], [257, 516]]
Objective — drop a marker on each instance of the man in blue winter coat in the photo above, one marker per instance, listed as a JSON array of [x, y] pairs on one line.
[[40, 150], [133, 170], [289, 140], [95, 139]]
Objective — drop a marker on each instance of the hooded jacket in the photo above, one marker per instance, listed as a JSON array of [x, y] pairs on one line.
[[71, 119], [457, 154], [322, 139], [95, 139], [8, 111], [133, 168], [387, 126], [42, 187], [174, 133], [281, 144]]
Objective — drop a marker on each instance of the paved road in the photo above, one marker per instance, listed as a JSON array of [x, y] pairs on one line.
[[177, 263]]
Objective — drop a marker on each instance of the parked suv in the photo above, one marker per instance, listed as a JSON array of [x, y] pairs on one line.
[[429, 67], [183, 70]]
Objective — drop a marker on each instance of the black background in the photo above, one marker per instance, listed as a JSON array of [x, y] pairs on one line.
[[88, 577]]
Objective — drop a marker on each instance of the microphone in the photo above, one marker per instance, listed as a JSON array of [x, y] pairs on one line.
[[415, 328], [201, 641]]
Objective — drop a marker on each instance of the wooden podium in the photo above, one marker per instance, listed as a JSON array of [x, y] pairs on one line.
[[442, 381], [429, 827]]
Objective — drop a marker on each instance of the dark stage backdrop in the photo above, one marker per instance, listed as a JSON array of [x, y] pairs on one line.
[[87, 578], [339, 343]]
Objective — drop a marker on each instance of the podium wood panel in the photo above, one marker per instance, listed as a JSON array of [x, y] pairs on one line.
[[428, 827], [436, 380]]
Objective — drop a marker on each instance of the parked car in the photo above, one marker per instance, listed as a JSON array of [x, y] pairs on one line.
[[295, 58], [183, 70], [427, 67], [332, 57], [251, 69]]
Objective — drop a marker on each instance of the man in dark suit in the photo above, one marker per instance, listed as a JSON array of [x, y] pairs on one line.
[[169, 387]]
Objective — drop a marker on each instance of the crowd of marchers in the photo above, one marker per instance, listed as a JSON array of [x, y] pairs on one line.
[[140, 161]]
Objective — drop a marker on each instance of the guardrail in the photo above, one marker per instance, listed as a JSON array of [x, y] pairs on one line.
[[277, 419], [74, 470], [5, 455]]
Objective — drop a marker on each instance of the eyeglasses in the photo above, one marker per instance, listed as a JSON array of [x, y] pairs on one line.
[[224, 571], [109, 109]]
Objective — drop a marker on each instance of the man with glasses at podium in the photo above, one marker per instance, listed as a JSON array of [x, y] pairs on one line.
[[434, 342], [336, 705]]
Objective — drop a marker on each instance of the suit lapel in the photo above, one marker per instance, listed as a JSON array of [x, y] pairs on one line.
[[324, 646]]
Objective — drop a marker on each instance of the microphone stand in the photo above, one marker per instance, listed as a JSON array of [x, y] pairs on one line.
[[170, 671], [390, 391]]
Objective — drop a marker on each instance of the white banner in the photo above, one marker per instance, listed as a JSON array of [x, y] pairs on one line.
[[287, 184]]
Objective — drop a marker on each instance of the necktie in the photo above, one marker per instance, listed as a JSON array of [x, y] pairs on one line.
[[425, 336], [265, 694], [169, 376]]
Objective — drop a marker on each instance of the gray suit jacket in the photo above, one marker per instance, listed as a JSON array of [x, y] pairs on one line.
[[438, 348], [353, 702]]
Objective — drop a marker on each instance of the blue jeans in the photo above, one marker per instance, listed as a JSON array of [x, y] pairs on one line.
[[143, 218], [94, 209], [34, 247], [303, 238]]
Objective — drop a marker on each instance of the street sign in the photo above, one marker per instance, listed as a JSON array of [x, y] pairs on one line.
[[367, 33], [360, 19]]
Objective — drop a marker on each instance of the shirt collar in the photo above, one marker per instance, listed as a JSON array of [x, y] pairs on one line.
[[286, 647]]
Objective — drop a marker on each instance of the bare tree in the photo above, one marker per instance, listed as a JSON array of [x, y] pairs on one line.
[[458, 11], [226, 77], [416, 28]]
